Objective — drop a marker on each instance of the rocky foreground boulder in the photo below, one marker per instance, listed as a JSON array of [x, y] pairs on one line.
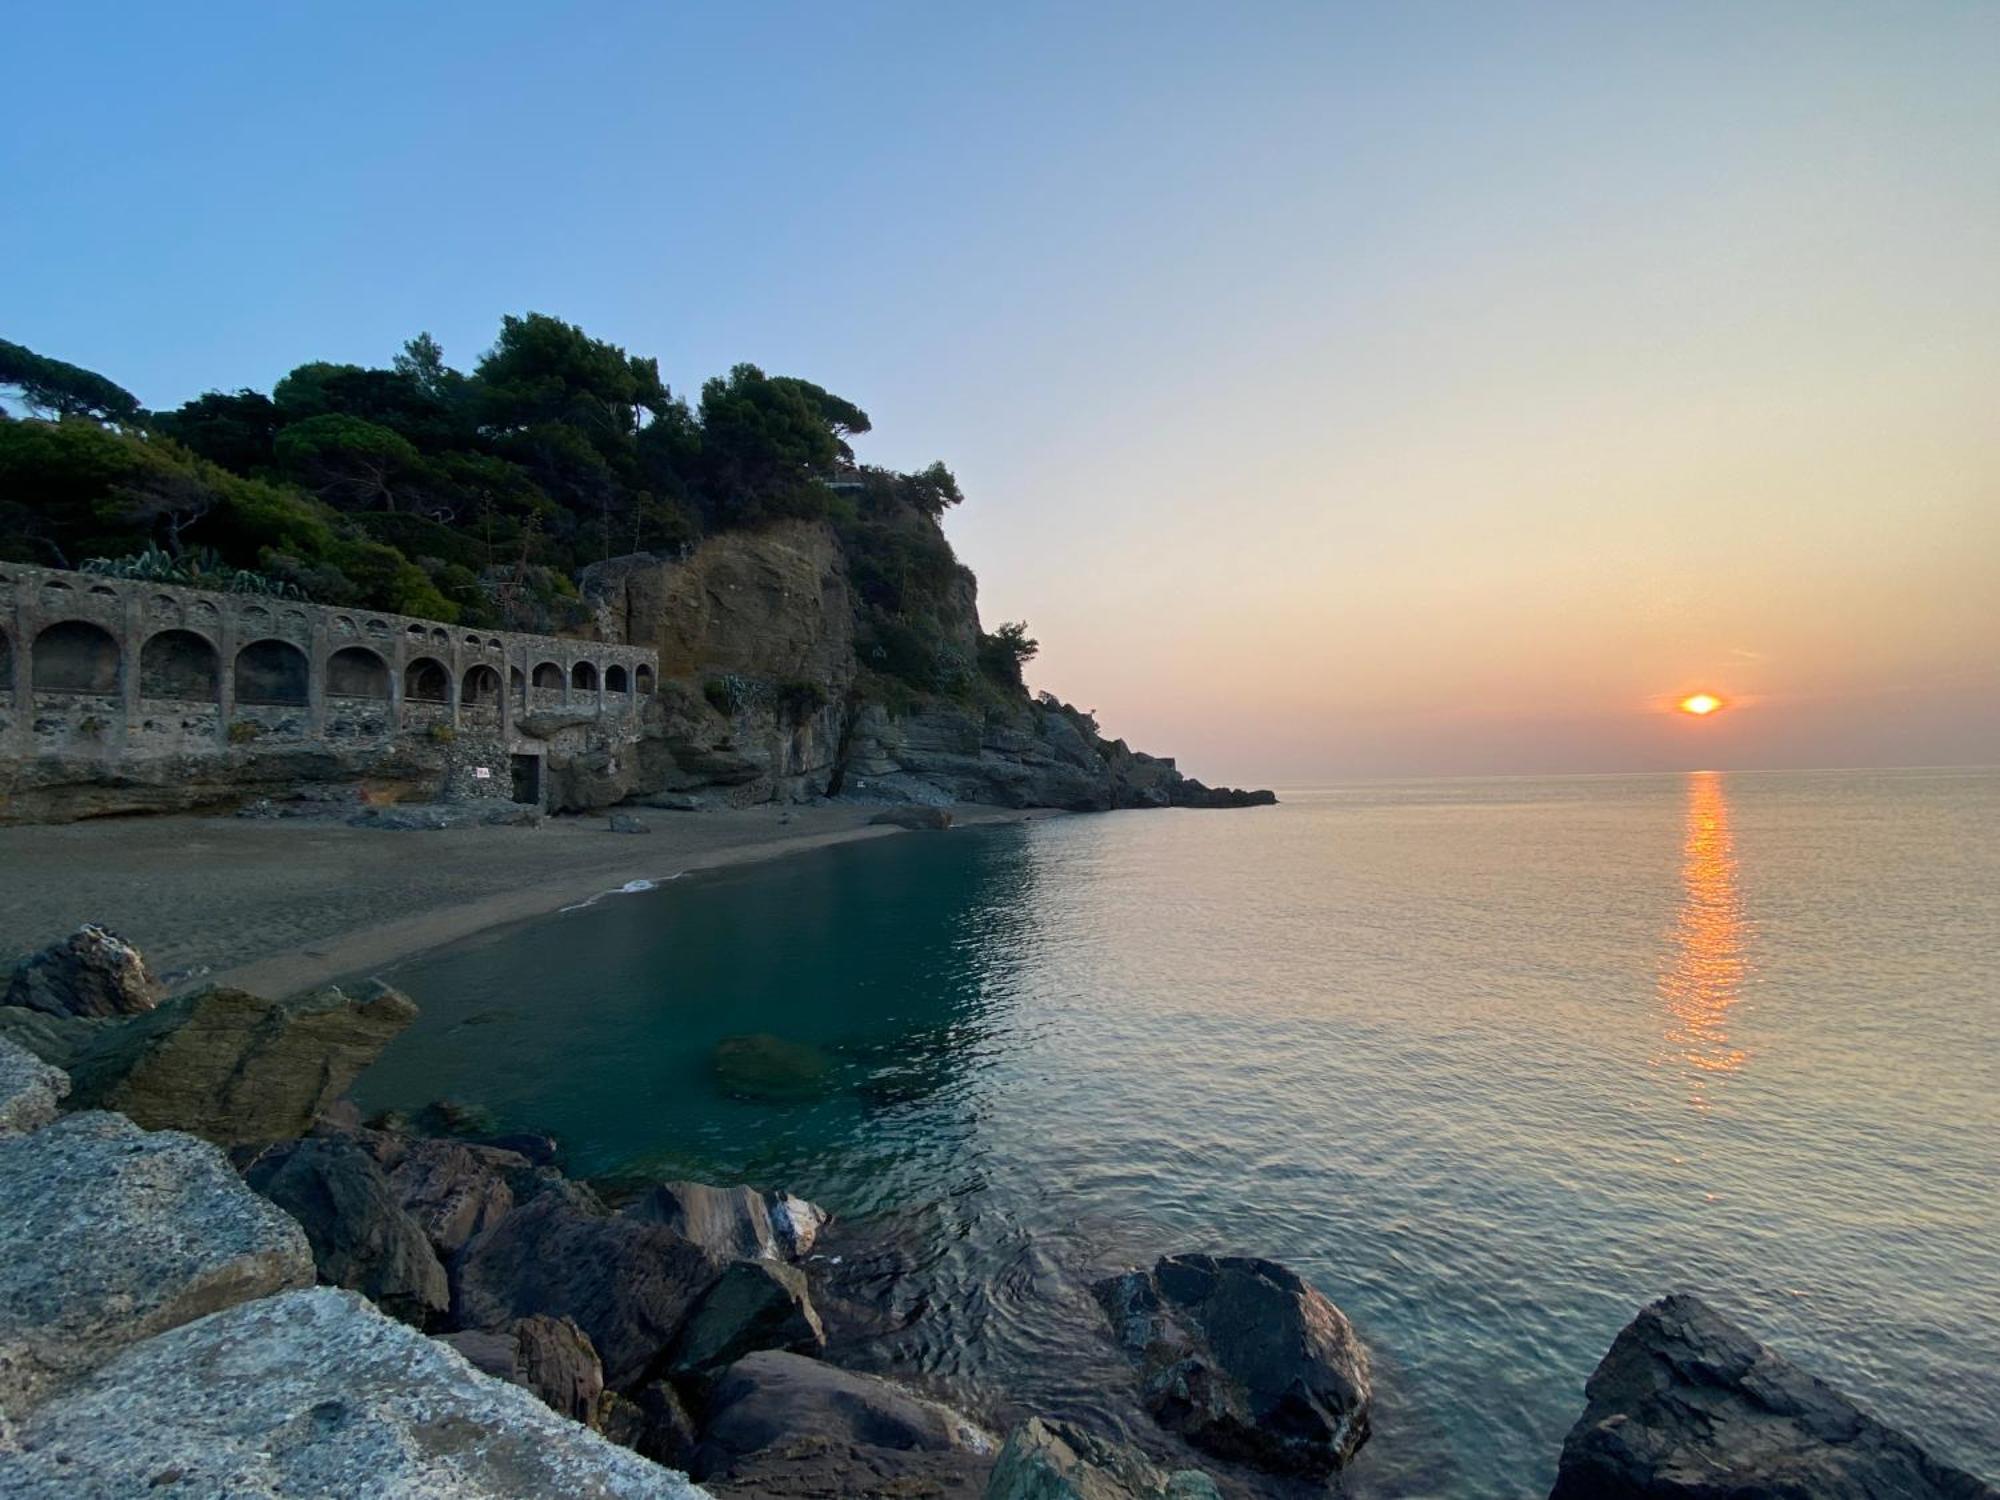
[[1245, 1360], [550, 1356], [312, 1393], [30, 1090], [1687, 1406], [110, 1234], [92, 972], [784, 1425], [223, 1064]]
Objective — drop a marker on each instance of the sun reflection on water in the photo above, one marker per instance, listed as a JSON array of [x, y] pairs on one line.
[[1703, 980]]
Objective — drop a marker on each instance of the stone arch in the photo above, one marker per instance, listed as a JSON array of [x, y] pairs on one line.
[[549, 675], [481, 688], [272, 672], [583, 676], [74, 656], [55, 588], [426, 680], [496, 643], [441, 635], [615, 680], [180, 664], [356, 672], [104, 591], [642, 679]]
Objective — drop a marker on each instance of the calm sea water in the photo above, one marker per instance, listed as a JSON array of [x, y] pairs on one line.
[[1491, 1062]]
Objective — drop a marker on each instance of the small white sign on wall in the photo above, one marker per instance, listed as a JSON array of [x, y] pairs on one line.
[[480, 773]]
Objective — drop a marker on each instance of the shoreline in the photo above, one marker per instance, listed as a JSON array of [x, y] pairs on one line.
[[280, 906]]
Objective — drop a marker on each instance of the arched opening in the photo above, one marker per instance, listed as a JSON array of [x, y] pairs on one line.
[[583, 676], [180, 664], [356, 672], [615, 681], [75, 657], [642, 679], [481, 688], [272, 672], [427, 680], [549, 675]]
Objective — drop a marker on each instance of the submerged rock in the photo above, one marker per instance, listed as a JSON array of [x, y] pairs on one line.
[[228, 1066], [110, 1234], [1044, 1462], [783, 1424], [30, 1090], [770, 1069], [1244, 1359], [627, 1283], [1686, 1406], [361, 1238], [92, 972], [754, 1304], [311, 1394]]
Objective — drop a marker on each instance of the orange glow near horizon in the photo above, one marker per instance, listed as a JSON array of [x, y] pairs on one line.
[[1701, 705], [1704, 976]]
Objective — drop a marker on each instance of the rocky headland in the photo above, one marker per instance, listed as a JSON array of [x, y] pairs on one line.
[[215, 1279]]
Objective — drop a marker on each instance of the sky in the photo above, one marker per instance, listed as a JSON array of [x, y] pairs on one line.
[[1338, 390]]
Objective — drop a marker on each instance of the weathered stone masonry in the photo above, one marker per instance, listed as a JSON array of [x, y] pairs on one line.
[[124, 671]]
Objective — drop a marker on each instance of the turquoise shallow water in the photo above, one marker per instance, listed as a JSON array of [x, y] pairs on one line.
[[1491, 1062]]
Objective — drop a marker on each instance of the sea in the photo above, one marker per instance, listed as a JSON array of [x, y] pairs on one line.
[[1492, 1063]]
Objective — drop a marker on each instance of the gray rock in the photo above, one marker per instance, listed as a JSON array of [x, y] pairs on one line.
[[92, 972], [109, 1234], [914, 816], [223, 1064], [1686, 1406], [729, 1223], [796, 1224], [361, 1238], [754, 1304], [626, 823], [30, 1090], [1244, 1359], [783, 1424], [1045, 1461], [672, 802], [313, 1394], [652, 1421], [628, 1284]]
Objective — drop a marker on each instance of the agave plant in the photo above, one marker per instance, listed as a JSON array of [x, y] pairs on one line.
[[197, 568]]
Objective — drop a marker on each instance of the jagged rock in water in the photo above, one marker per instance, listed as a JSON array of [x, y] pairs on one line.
[[223, 1064], [729, 1223], [110, 1234], [915, 816], [754, 1304], [31, 1092], [307, 1395], [361, 1238], [796, 1223], [1045, 1461], [770, 1069], [628, 1284], [92, 972], [550, 1356], [1687, 1406], [783, 1424], [1244, 1359]]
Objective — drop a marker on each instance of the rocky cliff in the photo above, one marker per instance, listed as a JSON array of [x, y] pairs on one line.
[[769, 694]]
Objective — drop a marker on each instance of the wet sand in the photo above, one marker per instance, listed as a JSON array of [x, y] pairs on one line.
[[278, 906]]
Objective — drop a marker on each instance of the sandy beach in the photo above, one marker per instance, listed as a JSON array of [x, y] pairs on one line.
[[277, 906]]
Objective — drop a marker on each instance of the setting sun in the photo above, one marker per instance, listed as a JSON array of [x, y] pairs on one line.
[[1700, 704]]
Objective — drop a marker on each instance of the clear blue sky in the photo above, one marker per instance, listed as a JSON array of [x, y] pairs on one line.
[[1337, 388]]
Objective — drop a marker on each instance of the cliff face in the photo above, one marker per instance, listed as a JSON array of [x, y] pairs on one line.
[[763, 697]]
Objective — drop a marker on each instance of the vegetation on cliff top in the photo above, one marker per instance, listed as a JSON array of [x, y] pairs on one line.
[[476, 497]]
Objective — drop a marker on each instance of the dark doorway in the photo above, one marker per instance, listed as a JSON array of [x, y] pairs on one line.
[[528, 779]]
